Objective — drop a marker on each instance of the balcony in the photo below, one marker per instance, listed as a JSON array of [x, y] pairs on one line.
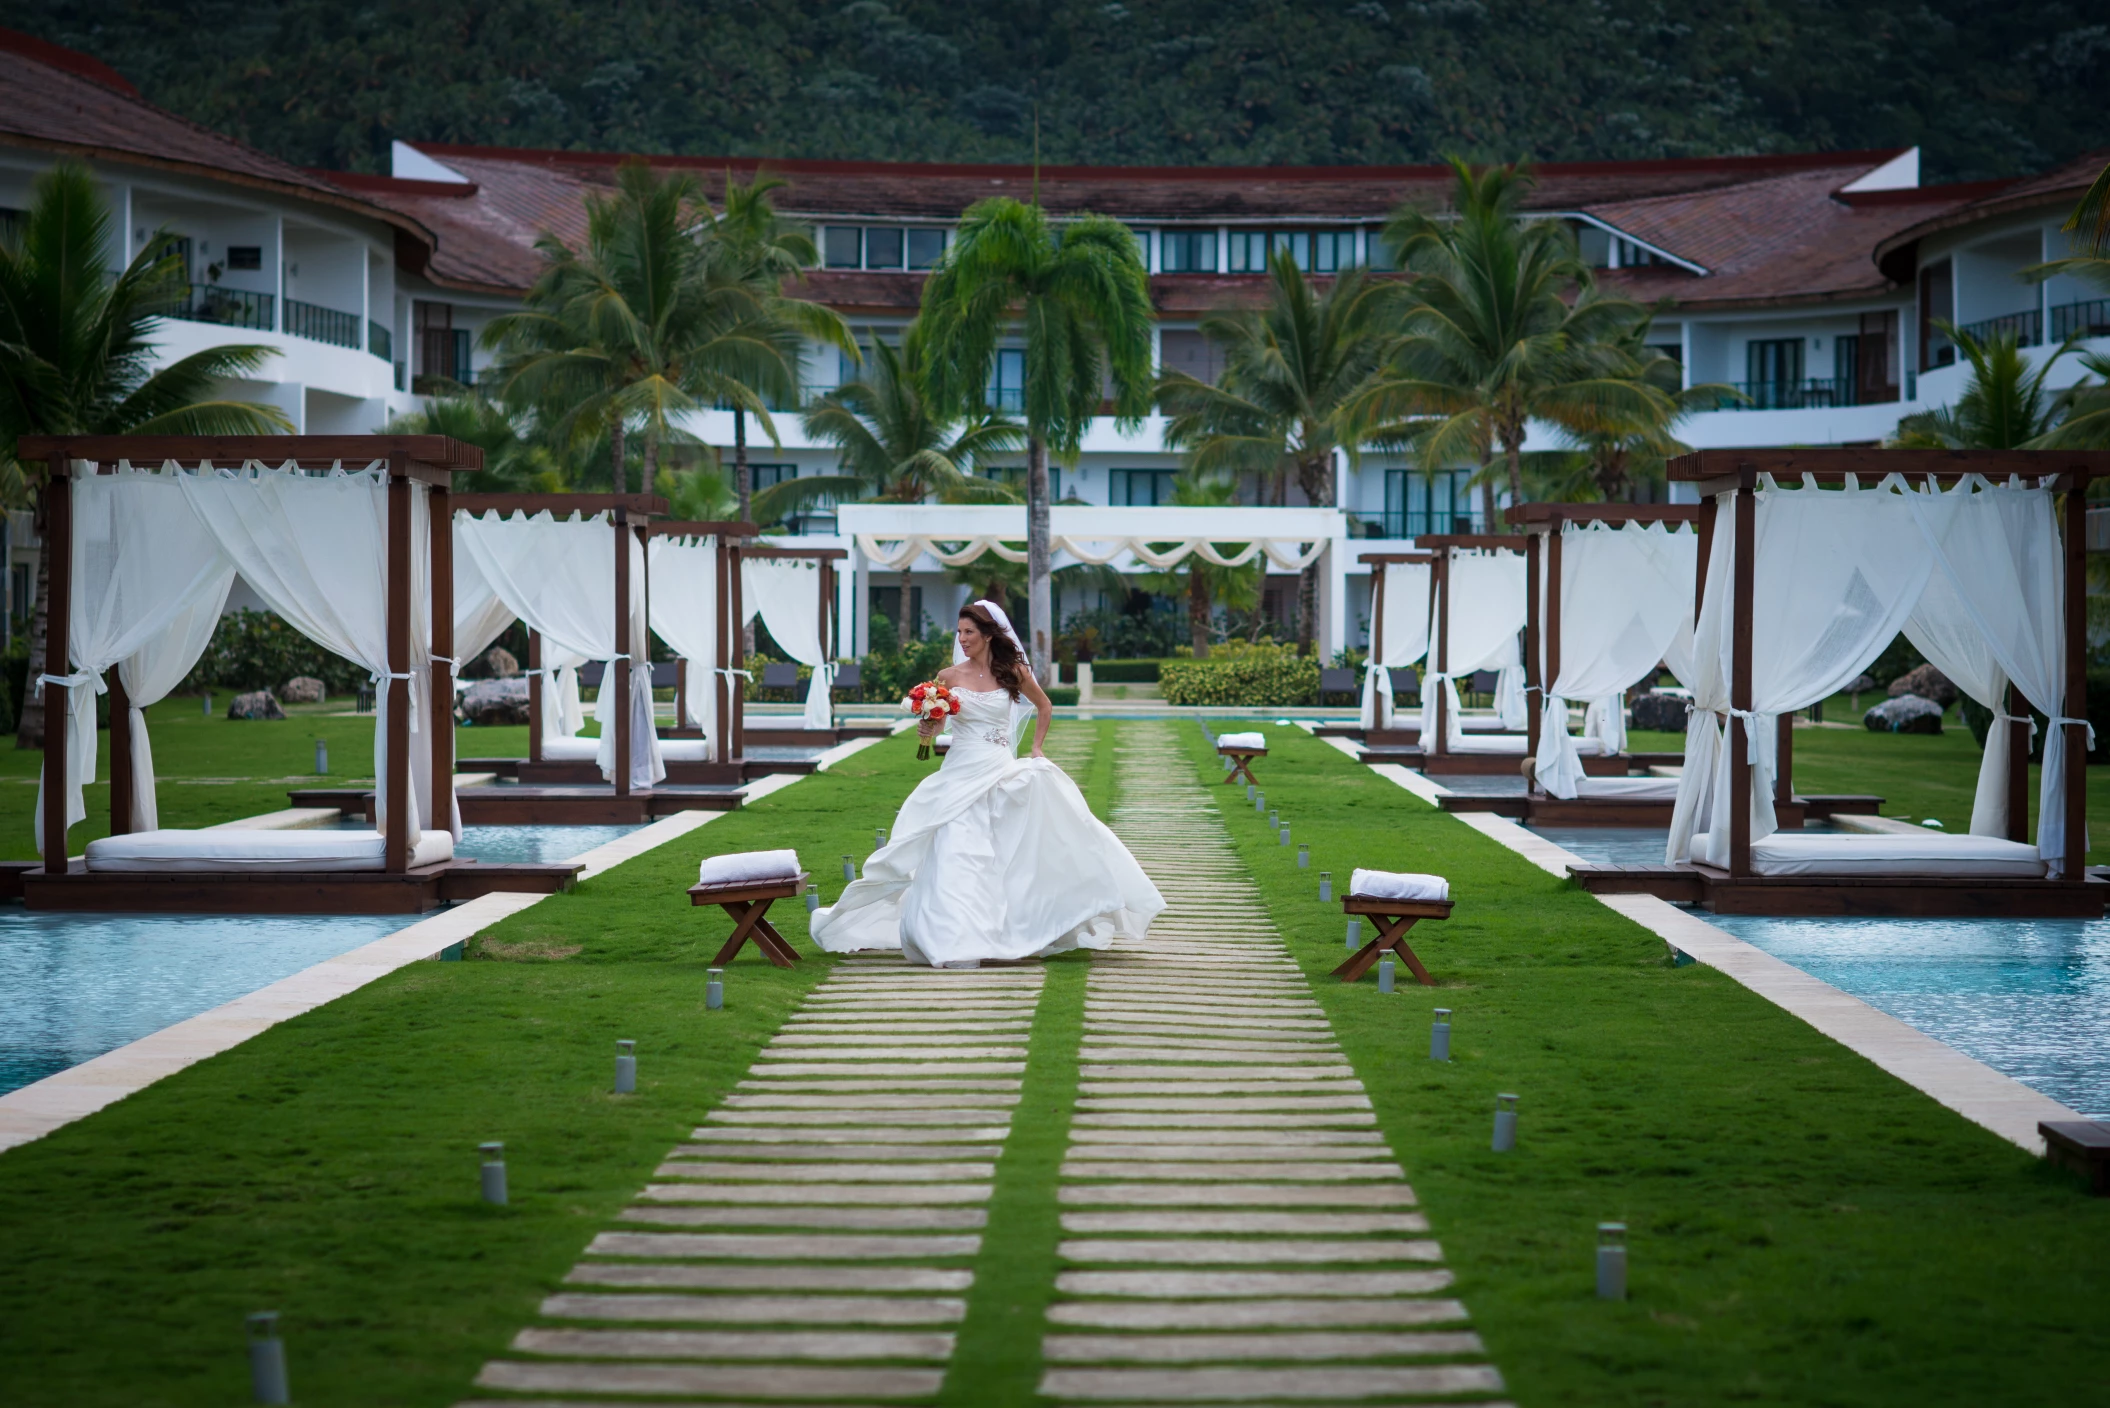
[[1814, 393], [2088, 318], [229, 307], [1412, 522], [2026, 327], [319, 324], [380, 341]]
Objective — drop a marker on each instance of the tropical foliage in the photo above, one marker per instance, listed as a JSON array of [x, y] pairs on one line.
[[2004, 406], [1242, 675]]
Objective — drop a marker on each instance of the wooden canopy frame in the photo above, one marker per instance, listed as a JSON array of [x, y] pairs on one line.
[[1378, 562], [1440, 546], [830, 623], [732, 641], [432, 460], [1737, 471]]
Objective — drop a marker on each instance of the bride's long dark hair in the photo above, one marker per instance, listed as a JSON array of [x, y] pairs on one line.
[[1004, 660]]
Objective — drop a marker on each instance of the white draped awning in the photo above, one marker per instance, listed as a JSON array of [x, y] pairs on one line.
[[895, 536]]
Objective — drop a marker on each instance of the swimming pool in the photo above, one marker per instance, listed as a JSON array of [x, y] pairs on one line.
[[73, 986], [2029, 997]]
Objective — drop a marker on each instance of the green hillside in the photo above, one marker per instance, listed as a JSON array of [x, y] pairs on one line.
[[1987, 90]]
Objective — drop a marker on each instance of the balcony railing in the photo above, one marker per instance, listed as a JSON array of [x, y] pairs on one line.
[[1815, 393], [380, 341], [2026, 327], [1412, 522], [229, 307], [2088, 318], [319, 324]]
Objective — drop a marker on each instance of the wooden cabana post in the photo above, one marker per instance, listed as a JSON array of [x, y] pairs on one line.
[[536, 695], [1535, 687], [440, 588], [58, 616], [396, 838], [618, 673], [2075, 862]]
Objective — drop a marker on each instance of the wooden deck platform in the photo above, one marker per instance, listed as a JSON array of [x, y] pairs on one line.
[[517, 804], [586, 773], [1504, 764], [1537, 809], [1902, 896], [333, 892]]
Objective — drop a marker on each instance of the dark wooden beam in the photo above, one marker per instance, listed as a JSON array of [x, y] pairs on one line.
[[2076, 859], [538, 696], [560, 504], [122, 781], [1740, 739], [439, 588], [58, 594], [419, 456], [2017, 766], [1380, 559], [619, 678], [1831, 463], [706, 528], [1534, 686], [397, 841], [818, 554], [1440, 580], [1458, 542], [1601, 513]]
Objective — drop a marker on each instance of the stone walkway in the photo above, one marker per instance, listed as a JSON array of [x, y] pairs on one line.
[[1234, 1226]]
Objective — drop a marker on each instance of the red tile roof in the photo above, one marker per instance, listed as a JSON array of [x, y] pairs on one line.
[[2060, 186]]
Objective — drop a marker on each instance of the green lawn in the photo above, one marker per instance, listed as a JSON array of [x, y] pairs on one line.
[[1806, 1229]]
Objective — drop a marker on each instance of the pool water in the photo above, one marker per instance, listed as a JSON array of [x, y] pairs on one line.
[[2029, 997], [538, 844]]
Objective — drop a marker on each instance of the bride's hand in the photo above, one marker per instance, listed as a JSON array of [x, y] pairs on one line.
[[1036, 752]]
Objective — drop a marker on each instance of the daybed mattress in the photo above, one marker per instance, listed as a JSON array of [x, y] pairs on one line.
[[1935, 853], [217, 851], [1639, 789], [586, 750]]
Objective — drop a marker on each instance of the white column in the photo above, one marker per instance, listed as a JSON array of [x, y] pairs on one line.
[[1333, 600], [855, 636]]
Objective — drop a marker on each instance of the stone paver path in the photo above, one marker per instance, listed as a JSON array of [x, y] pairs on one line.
[[1234, 1227]]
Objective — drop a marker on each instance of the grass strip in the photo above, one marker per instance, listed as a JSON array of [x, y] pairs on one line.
[[1805, 1228], [328, 1168]]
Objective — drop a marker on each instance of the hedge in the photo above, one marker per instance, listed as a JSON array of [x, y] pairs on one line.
[[1242, 676], [257, 650], [1126, 671]]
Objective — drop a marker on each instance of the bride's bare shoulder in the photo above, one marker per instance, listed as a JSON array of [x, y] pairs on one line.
[[950, 675]]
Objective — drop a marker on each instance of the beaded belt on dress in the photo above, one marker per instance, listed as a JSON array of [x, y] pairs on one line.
[[981, 733]]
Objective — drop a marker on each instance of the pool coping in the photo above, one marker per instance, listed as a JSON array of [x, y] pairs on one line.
[[1970, 1087], [29, 1113]]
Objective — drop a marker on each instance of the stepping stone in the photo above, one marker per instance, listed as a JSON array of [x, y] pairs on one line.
[[1096, 1072], [1258, 1007], [763, 1310], [1308, 1171], [1193, 1086], [953, 1044], [786, 1247], [890, 1019], [862, 1194], [847, 1134], [833, 1151], [1249, 1195], [851, 1068], [1250, 1314], [1221, 1153], [759, 1380], [1310, 1345], [1287, 1033], [735, 1344], [816, 1087], [1226, 1133], [1255, 1121], [767, 1278], [1301, 1223], [1326, 1054], [1293, 1100], [833, 1172], [819, 1124], [1255, 1253], [1244, 1385], [954, 1105], [1180, 1285], [852, 1219], [1283, 1024]]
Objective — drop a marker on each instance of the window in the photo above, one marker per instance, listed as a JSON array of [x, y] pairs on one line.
[[883, 247], [11, 223], [1593, 243], [245, 256], [925, 248], [768, 476], [1418, 503], [1380, 252], [1333, 251], [842, 247], [1937, 304], [1248, 251], [1773, 371], [1191, 353], [1007, 380], [1628, 255], [1187, 251], [1295, 243], [1876, 362], [1673, 350], [1846, 369], [443, 349], [1316, 251], [1141, 488]]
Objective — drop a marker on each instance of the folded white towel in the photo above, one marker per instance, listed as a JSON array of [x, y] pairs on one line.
[[1241, 740], [749, 868], [943, 740], [1398, 885]]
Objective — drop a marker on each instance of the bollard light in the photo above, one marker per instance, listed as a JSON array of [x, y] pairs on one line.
[[322, 757], [1505, 1123], [1325, 887], [849, 868], [1274, 820], [813, 899], [1384, 972], [1225, 759], [1611, 1261], [1440, 1036], [626, 1068], [1284, 834], [1260, 801], [208, 703], [494, 1172], [1303, 855], [878, 837], [1250, 789], [1355, 933], [267, 1360], [714, 990]]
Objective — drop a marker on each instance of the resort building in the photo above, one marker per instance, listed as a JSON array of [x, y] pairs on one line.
[[1814, 283]]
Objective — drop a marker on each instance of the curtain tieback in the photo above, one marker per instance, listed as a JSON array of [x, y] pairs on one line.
[[743, 674], [2083, 723], [2030, 719], [78, 677], [448, 660]]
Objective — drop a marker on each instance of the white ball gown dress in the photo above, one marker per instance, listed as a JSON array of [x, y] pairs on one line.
[[993, 856]]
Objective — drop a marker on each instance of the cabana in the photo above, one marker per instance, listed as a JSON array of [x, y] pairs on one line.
[[1804, 587], [348, 539], [1478, 590], [793, 590], [1399, 640]]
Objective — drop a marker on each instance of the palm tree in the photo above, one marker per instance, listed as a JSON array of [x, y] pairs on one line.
[[76, 355], [1608, 463], [2083, 411], [634, 330], [1081, 298], [895, 447], [1506, 327], [1293, 393], [1204, 584], [2004, 406], [516, 458]]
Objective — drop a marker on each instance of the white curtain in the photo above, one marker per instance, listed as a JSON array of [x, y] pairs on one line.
[[1625, 596], [1836, 575], [1405, 637], [315, 548], [559, 577], [149, 582], [786, 593], [685, 616], [480, 616], [1484, 602]]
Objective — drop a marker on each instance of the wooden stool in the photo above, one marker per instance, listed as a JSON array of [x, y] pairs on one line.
[[748, 902], [1241, 762], [1393, 918]]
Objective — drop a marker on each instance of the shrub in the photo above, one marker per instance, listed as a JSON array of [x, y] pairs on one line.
[[257, 650], [1979, 719], [1239, 675], [1125, 671]]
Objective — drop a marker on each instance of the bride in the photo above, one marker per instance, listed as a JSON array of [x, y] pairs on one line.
[[993, 856]]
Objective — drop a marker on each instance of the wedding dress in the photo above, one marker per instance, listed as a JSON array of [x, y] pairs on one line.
[[993, 856]]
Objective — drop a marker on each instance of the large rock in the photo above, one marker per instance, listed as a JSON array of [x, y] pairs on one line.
[[1661, 713], [301, 689], [1859, 684], [500, 662], [1927, 682], [260, 705], [1908, 713], [494, 702]]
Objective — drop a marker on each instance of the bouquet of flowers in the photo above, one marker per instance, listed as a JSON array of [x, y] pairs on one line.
[[932, 703]]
